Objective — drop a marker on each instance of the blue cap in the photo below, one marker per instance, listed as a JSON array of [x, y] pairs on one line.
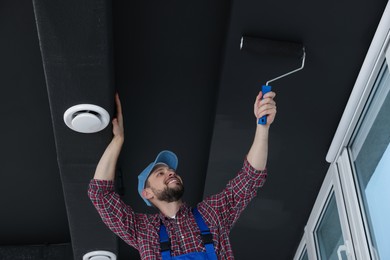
[[167, 157]]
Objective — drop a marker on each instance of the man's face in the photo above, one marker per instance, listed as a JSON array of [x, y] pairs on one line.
[[165, 184]]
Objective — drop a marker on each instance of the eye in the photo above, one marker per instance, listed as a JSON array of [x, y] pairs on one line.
[[160, 173]]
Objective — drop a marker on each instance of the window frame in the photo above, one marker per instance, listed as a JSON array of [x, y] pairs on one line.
[[354, 208], [330, 185], [302, 248], [361, 232], [340, 177]]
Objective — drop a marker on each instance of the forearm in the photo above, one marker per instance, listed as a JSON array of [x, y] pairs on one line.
[[105, 169], [258, 153]]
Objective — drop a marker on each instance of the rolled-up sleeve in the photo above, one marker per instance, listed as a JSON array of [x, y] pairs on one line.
[[257, 176]]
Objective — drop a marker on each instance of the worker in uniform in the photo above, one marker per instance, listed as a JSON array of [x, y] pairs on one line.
[[178, 231]]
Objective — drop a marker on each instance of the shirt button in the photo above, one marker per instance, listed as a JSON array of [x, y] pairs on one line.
[[182, 237]]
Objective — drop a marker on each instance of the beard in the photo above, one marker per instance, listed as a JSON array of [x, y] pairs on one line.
[[170, 194]]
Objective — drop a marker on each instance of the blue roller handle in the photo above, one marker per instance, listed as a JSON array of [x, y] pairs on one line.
[[265, 89]]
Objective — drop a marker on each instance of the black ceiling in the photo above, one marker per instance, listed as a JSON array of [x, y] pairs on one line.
[[185, 86]]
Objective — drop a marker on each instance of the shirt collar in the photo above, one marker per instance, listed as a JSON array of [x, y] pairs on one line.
[[184, 210]]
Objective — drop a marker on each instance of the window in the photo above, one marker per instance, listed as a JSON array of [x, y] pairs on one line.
[[370, 155], [304, 256], [328, 233], [301, 253]]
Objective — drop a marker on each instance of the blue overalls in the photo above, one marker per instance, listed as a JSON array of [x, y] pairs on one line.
[[207, 238]]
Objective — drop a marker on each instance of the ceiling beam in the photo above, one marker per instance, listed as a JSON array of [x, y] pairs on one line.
[[76, 45]]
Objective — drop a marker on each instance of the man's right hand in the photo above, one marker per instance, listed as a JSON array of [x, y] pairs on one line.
[[117, 122]]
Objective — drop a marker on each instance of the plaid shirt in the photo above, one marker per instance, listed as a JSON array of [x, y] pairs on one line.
[[141, 231]]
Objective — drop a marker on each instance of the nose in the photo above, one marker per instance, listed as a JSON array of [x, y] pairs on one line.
[[171, 172]]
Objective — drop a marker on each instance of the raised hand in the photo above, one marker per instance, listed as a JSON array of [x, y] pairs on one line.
[[265, 106], [117, 122]]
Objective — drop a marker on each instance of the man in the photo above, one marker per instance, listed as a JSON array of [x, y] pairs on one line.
[[178, 231]]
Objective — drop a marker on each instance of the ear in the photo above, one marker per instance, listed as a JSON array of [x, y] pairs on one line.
[[147, 193]]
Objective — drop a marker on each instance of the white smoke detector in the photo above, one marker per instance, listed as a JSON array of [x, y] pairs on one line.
[[99, 255], [86, 118]]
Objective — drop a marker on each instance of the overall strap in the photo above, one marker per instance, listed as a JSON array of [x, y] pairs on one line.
[[207, 238], [165, 243], [206, 235]]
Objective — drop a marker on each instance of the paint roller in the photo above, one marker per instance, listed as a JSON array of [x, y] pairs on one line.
[[285, 49]]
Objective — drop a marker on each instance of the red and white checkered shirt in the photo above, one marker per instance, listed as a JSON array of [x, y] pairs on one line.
[[141, 231]]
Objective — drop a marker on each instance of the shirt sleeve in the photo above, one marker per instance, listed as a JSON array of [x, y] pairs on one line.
[[117, 215], [225, 207]]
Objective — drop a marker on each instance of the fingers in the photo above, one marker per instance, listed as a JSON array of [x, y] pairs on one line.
[[117, 122], [266, 110], [265, 106], [266, 101], [260, 99], [118, 104], [270, 94], [119, 115]]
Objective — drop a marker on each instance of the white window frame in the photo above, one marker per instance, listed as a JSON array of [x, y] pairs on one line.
[[354, 210], [331, 184], [361, 234], [364, 248], [302, 248], [363, 85]]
